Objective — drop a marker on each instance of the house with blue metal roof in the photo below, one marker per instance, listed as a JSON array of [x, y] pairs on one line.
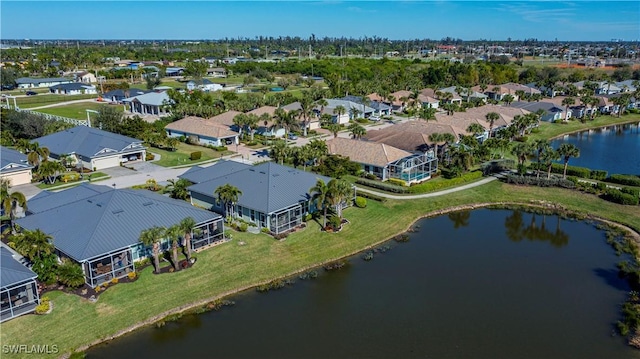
[[273, 196], [74, 88], [94, 148], [29, 82], [152, 103], [18, 287], [14, 167], [99, 227]]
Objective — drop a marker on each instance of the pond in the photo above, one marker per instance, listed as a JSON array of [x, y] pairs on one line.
[[480, 284], [615, 149]]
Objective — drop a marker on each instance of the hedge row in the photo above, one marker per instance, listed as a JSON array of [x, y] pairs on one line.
[[540, 182], [385, 186], [576, 171], [627, 180], [618, 196]]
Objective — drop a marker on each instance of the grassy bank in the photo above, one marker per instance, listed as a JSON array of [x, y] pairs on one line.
[[224, 269], [552, 130], [181, 156]]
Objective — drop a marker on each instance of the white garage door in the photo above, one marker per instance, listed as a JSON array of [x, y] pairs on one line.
[[106, 162]]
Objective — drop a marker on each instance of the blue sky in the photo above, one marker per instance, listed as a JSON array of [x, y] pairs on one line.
[[468, 20]]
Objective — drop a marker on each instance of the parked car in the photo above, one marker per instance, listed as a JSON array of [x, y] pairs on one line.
[[374, 118], [293, 136], [31, 93]]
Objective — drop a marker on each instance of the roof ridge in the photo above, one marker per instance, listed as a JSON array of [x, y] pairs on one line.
[[95, 228]]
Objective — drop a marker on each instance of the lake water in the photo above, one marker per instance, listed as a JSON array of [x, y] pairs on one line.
[[481, 284], [615, 149]]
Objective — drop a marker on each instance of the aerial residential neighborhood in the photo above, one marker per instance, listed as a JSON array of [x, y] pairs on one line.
[[143, 181]]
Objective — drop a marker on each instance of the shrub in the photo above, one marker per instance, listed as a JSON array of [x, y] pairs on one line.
[[369, 176], [598, 175], [150, 156], [617, 196], [43, 307], [360, 202], [243, 227], [632, 191], [385, 186], [70, 274], [195, 155], [627, 180], [307, 217], [70, 177], [335, 222], [97, 289], [132, 275], [540, 182], [114, 281], [221, 148], [397, 181], [372, 196], [434, 186]]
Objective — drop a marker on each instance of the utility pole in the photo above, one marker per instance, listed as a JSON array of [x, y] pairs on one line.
[[309, 51]]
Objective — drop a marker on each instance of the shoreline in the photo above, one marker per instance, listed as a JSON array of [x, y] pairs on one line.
[[556, 209], [592, 128]]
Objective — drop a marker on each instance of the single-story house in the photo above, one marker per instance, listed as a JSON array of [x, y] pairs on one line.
[[385, 161], [353, 110], [151, 103], [28, 82], [226, 119], [412, 136], [202, 131], [314, 122], [95, 148], [267, 127], [119, 95], [14, 167], [273, 196], [551, 111], [173, 71], [18, 287], [74, 88], [82, 76], [379, 108], [498, 92], [99, 227], [217, 72], [203, 84]]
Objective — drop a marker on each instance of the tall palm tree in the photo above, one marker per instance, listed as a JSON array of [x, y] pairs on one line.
[[37, 154], [34, 245], [187, 225], [427, 114], [339, 111], [152, 237], [448, 139], [240, 120], [178, 188], [50, 170], [566, 151], [357, 131], [491, 118], [320, 197], [521, 150], [334, 128], [475, 129], [284, 119], [279, 151], [228, 194], [306, 110], [436, 138], [251, 122], [548, 156], [173, 234], [339, 191], [540, 146], [11, 201], [567, 102]]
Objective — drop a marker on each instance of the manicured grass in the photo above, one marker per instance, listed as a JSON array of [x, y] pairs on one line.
[[95, 176], [76, 110], [182, 155], [552, 130], [47, 99], [75, 322]]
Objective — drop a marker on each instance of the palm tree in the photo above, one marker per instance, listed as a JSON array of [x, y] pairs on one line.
[[37, 154], [476, 129], [339, 191], [279, 151], [521, 150], [334, 128], [240, 120], [567, 102], [306, 109], [11, 201], [228, 195], [152, 237], [448, 139], [187, 226], [427, 113], [491, 118], [548, 156], [508, 99], [34, 245], [50, 170], [339, 111], [566, 151], [436, 138], [173, 234], [284, 119], [540, 146], [320, 197], [357, 131], [178, 188], [251, 122]]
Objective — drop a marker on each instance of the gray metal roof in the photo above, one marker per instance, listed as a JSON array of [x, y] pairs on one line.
[[30, 80], [12, 272], [151, 98], [199, 174], [92, 226], [535, 106], [85, 141], [12, 160], [47, 200], [72, 86], [267, 187]]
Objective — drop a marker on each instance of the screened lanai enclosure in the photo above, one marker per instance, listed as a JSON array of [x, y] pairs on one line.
[[17, 299], [413, 169], [286, 219], [104, 268], [206, 234]]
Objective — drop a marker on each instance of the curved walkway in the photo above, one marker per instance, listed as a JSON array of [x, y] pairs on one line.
[[485, 180]]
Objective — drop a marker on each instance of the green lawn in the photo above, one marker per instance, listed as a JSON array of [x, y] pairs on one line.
[[48, 99], [95, 176], [76, 110], [224, 269], [552, 130], [182, 155]]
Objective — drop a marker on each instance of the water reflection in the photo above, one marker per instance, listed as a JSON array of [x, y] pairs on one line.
[[460, 219], [517, 230]]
